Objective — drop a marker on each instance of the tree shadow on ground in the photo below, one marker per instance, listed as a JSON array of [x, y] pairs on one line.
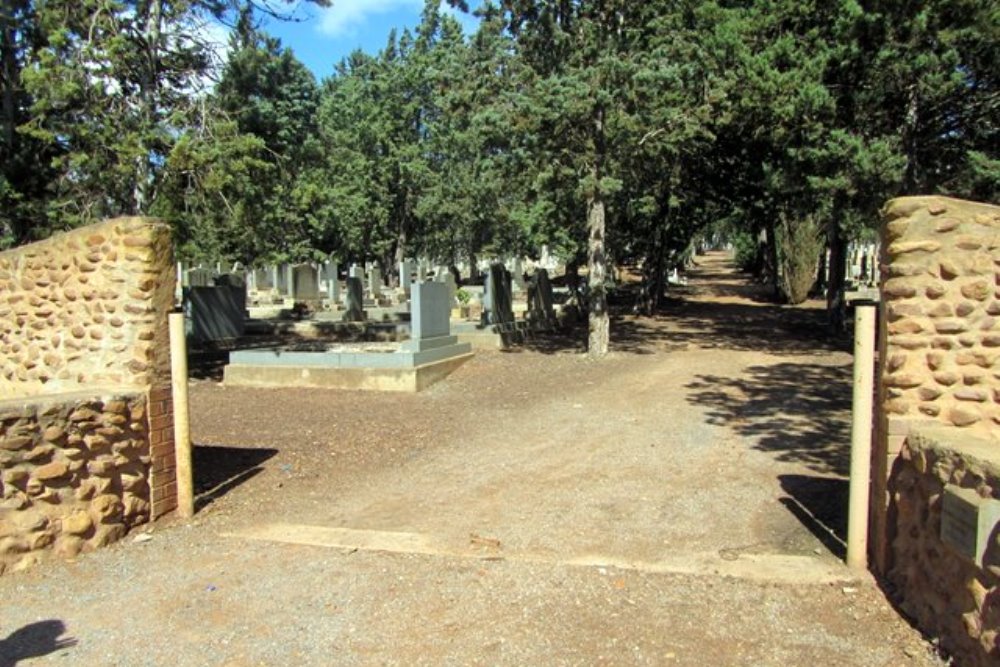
[[771, 328], [219, 470], [820, 503], [801, 412], [33, 641], [568, 341]]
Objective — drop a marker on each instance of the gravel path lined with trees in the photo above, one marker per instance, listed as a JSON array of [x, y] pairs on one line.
[[680, 502]]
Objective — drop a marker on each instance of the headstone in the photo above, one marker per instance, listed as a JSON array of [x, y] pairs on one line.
[[406, 275], [354, 300], [282, 282], [199, 278], [332, 281], [540, 302], [217, 313], [263, 279], [447, 278], [231, 280], [497, 306], [289, 272], [374, 282], [429, 316], [305, 283], [275, 279], [517, 275], [430, 324]]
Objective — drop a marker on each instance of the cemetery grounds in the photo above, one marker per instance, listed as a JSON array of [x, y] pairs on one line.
[[681, 502]]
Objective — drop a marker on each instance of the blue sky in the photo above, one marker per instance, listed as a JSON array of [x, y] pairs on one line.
[[325, 35]]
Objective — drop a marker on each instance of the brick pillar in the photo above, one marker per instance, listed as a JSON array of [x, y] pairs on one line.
[[163, 467]]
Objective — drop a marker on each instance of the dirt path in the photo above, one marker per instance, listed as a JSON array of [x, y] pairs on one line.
[[678, 503]]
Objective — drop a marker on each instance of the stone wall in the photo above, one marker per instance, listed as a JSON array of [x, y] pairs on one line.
[[74, 473], [939, 345], [949, 596], [87, 308], [86, 423]]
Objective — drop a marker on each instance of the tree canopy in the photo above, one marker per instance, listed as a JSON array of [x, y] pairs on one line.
[[611, 131]]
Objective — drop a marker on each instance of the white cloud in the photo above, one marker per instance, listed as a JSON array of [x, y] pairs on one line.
[[346, 16]]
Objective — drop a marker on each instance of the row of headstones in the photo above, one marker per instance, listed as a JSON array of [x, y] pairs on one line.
[[862, 263], [218, 313], [498, 297], [308, 282]]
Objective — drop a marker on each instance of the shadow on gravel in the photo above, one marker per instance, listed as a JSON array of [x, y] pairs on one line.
[[820, 503], [775, 329], [219, 470], [33, 641], [801, 412], [572, 341]]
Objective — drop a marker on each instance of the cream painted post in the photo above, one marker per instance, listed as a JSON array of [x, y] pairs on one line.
[[861, 435], [182, 428]]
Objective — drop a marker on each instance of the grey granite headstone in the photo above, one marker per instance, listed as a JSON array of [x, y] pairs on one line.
[[217, 313], [332, 281], [430, 311], [289, 271], [354, 300], [406, 275], [231, 280], [517, 275], [497, 305], [282, 283], [374, 282], [540, 302], [305, 283], [430, 326]]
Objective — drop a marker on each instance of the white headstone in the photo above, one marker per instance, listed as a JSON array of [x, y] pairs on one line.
[[332, 281], [374, 282], [406, 275]]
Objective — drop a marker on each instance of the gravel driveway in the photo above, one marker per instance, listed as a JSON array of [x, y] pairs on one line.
[[678, 503]]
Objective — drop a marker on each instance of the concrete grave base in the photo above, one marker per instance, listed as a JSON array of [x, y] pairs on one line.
[[498, 336], [408, 366], [412, 379]]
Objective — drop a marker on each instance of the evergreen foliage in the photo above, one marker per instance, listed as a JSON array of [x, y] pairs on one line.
[[612, 131]]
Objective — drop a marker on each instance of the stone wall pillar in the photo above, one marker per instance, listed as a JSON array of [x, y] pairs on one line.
[[86, 418], [939, 335]]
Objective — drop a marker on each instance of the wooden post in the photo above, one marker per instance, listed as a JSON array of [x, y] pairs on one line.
[[182, 426], [861, 435]]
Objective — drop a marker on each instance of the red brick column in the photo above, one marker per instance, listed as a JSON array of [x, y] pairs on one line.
[[163, 467]]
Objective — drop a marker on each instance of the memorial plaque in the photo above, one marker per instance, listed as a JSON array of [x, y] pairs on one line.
[[967, 521]]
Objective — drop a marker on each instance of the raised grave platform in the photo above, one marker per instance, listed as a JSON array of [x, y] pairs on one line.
[[430, 355]]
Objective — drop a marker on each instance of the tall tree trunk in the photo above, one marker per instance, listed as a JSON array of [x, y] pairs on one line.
[[835, 307], [599, 326], [651, 294], [771, 260]]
